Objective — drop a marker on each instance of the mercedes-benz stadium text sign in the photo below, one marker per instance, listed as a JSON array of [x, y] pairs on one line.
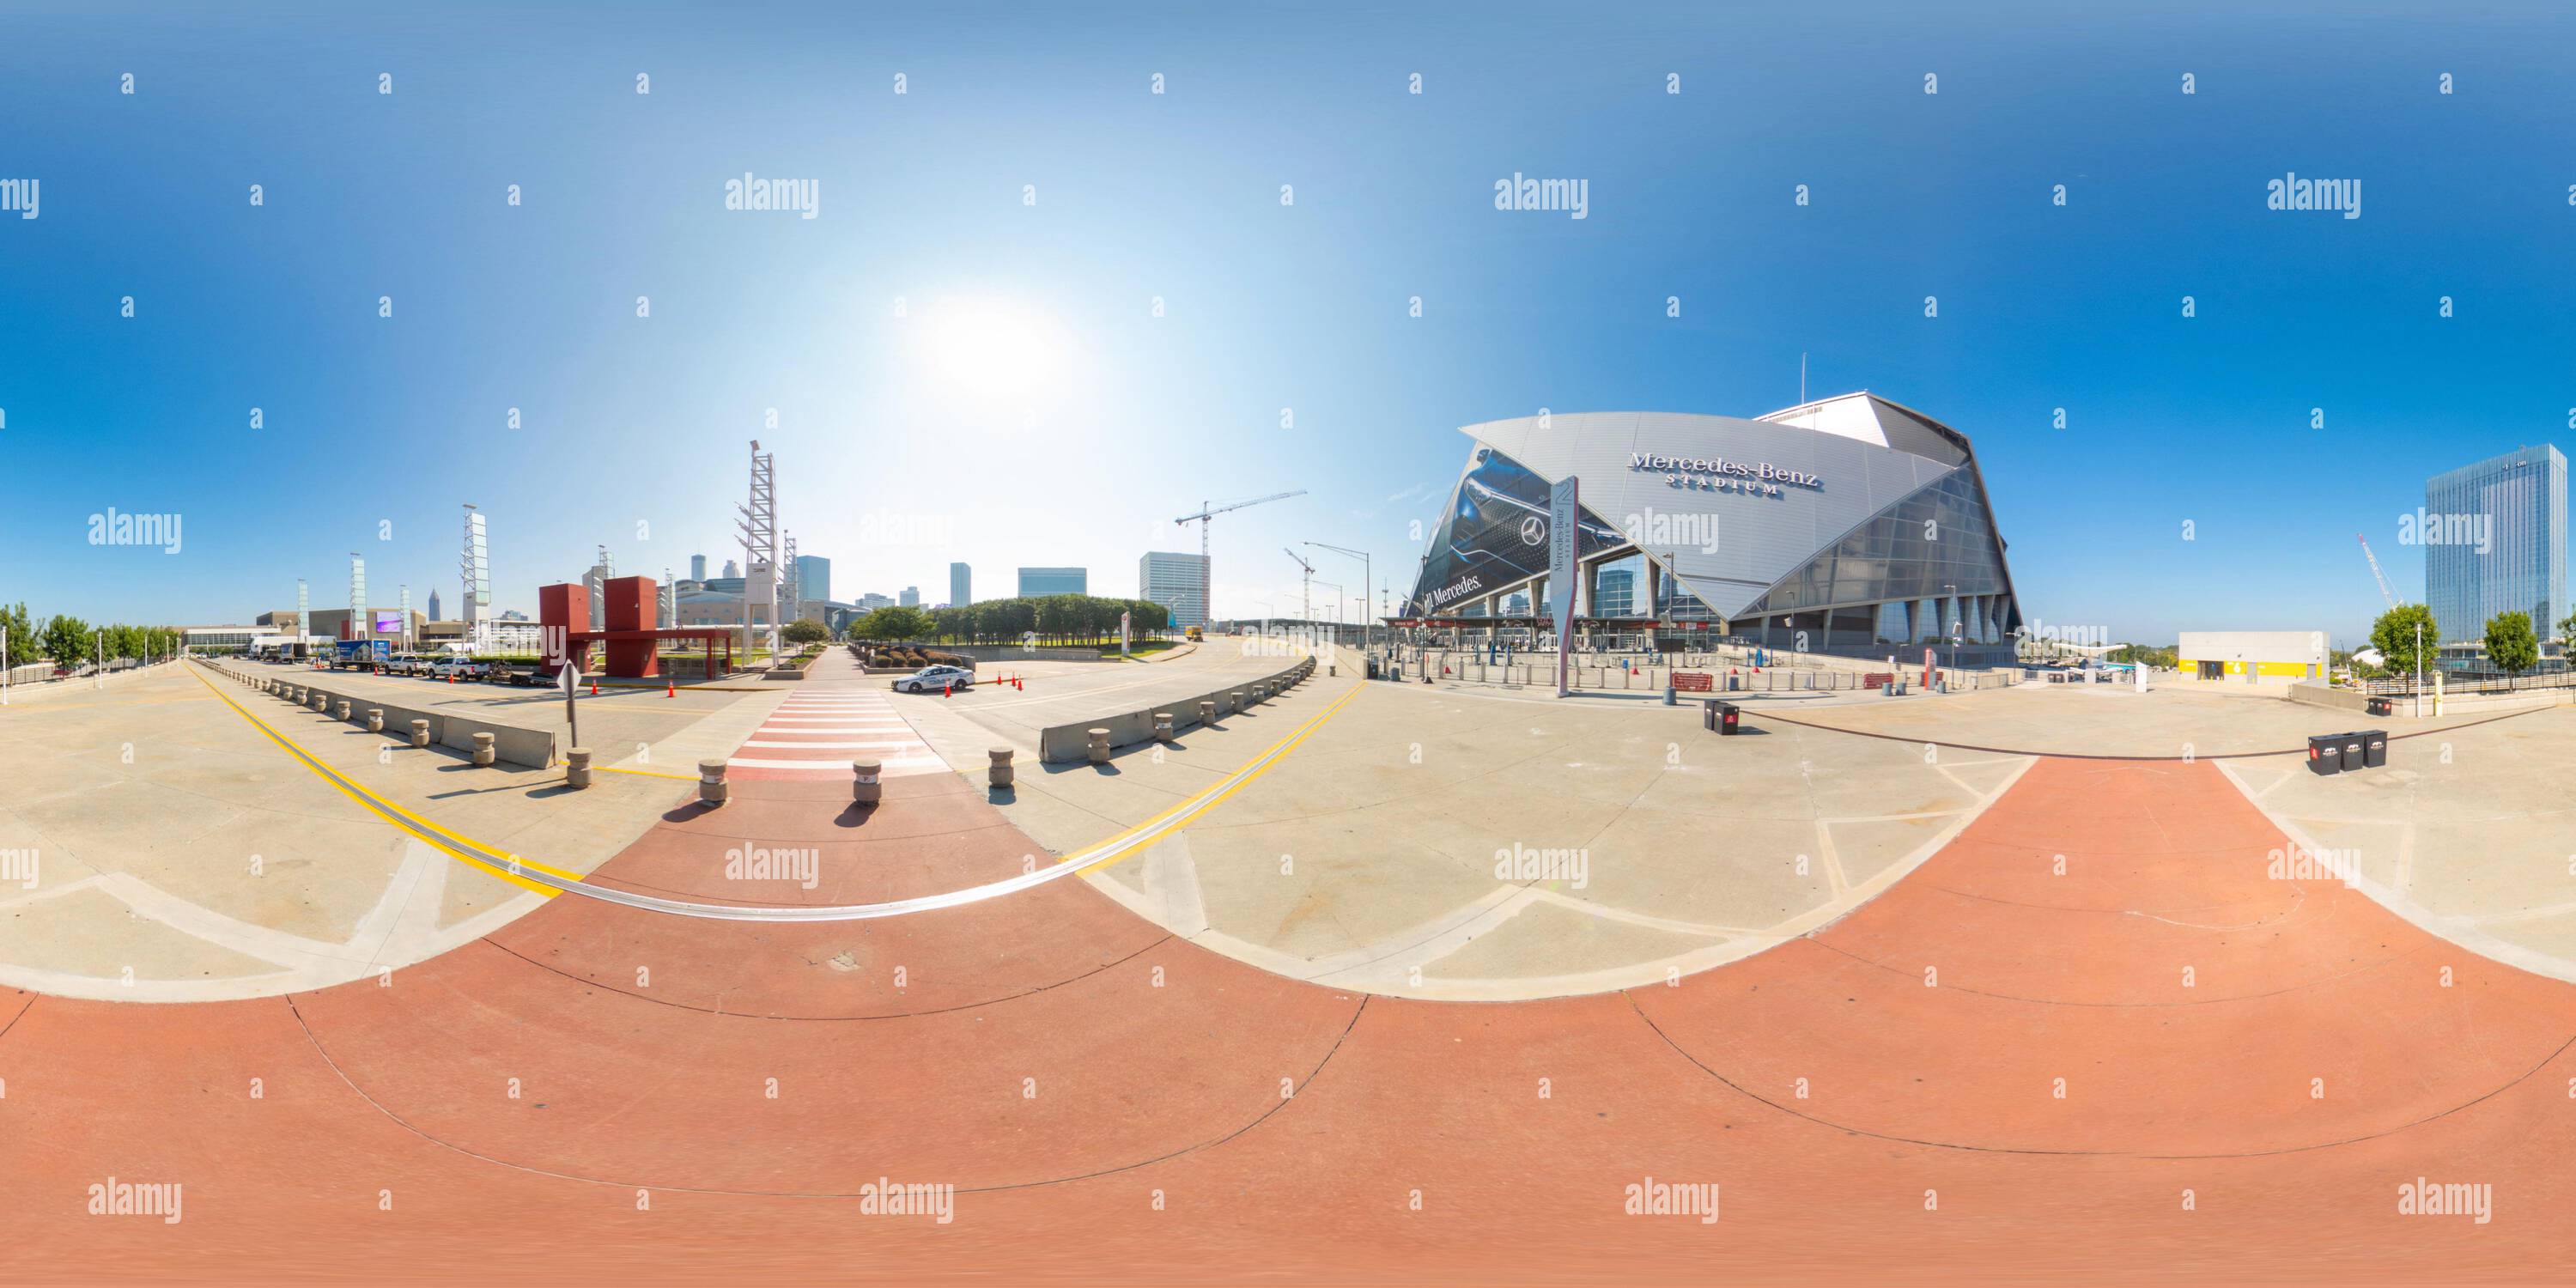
[[1717, 473]]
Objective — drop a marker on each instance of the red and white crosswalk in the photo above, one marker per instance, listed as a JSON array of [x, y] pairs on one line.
[[817, 734]]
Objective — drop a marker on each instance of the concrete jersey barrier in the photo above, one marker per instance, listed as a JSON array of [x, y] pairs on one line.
[[534, 748], [1070, 742]]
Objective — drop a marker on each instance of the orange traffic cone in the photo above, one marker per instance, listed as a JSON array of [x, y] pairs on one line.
[[670, 688], [948, 689], [594, 688]]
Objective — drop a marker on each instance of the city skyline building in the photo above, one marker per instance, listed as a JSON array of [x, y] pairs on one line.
[[2495, 540], [1175, 580], [1054, 581]]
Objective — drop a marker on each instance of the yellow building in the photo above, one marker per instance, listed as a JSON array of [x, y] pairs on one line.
[[2254, 656]]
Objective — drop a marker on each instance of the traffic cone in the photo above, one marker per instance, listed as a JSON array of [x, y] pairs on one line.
[[594, 688], [670, 687], [948, 689]]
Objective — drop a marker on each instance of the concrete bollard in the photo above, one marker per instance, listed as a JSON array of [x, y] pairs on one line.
[[375, 720], [1162, 726], [1332, 668], [867, 781], [1099, 746], [420, 733], [344, 709], [711, 782], [1000, 774], [1238, 702], [577, 767], [321, 701], [483, 749], [1207, 712]]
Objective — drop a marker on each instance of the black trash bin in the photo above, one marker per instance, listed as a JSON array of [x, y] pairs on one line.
[[2378, 706], [2325, 753], [2374, 748], [2352, 745], [1721, 717]]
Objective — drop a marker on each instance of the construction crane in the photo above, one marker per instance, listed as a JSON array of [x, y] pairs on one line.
[[2382, 578], [1209, 510], [1306, 593]]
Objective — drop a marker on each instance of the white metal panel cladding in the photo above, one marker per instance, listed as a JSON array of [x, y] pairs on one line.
[[1762, 537]]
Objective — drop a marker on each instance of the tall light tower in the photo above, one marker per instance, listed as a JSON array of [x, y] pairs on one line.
[[1368, 623], [406, 617], [300, 593], [476, 566], [759, 527], [357, 597], [791, 581], [670, 601]]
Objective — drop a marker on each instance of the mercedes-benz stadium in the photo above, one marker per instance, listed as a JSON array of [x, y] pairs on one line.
[[1852, 526]]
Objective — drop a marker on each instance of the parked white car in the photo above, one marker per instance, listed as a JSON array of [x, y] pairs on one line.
[[935, 679]]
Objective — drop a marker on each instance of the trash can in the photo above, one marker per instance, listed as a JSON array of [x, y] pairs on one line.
[[2378, 706], [1372, 668], [2325, 753], [1721, 717], [1733, 682], [2374, 748], [2352, 745]]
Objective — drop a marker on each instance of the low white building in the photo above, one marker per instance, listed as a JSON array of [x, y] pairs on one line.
[[2254, 656]]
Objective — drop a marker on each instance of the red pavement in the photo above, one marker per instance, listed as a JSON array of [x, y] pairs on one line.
[[698, 1098]]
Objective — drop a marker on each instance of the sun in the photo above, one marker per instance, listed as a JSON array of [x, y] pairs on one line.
[[996, 351]]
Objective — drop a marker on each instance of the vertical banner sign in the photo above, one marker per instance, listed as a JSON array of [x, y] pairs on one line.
[[1122, 633], [1564, 529]]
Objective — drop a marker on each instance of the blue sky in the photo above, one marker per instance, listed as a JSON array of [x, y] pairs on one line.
[[1028, 408]]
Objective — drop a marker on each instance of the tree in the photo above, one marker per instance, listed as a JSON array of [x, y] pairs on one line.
[[2566, 629], [2394, 636], [2510, 644], [67, 641], [21, 628], [806, 630]]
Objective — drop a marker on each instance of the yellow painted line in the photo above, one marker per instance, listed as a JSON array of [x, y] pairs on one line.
[[391, 812], [646, 773], [1215, 796]]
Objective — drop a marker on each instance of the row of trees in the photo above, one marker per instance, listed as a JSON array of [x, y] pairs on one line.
[[69, 641], [2513, 646], [1052, 618]]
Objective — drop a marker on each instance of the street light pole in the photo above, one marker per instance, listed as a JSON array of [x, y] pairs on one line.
[[1953, 589], [2419, 670], [1368, 577]]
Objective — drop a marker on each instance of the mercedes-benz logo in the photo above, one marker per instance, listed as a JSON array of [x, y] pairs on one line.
[[1534, 531]]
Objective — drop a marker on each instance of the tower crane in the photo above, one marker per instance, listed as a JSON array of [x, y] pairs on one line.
[[1306, 595], [1209, 510], [2382, 578]]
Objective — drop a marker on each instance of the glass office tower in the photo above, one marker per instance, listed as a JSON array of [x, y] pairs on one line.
[[2495, 540]]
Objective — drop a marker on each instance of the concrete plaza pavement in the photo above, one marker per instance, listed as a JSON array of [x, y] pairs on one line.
[[173, 851], [1436, 843]]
